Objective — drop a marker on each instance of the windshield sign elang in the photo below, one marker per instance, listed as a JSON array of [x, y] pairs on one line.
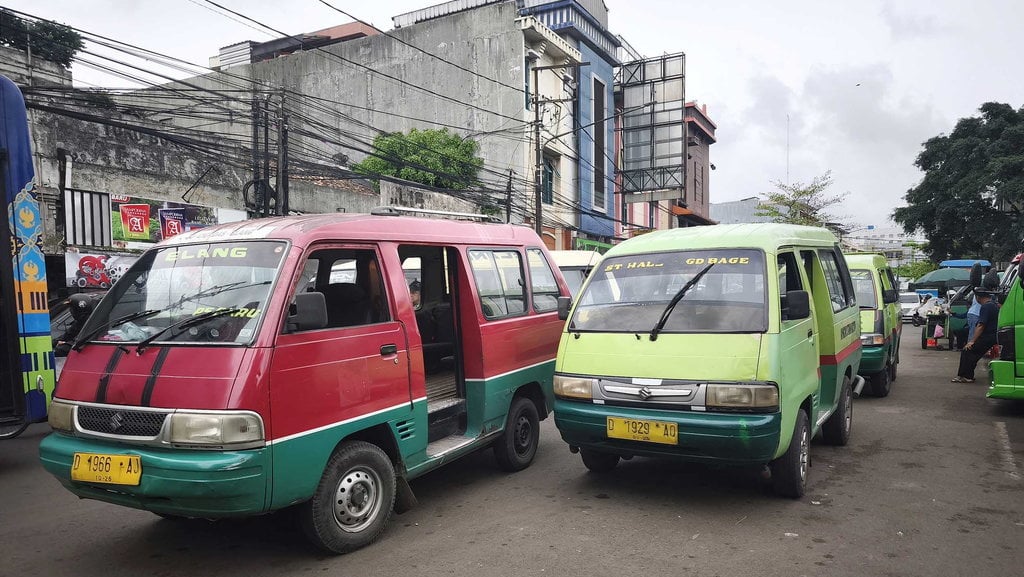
[[212, 293], [631, 293]]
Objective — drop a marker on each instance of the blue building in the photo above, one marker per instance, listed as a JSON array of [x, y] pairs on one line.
[[585, 24]]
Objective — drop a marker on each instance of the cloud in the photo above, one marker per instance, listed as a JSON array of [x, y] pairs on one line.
[[907, 26]]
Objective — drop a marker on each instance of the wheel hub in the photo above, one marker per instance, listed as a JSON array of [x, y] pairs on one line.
[[357, 501]]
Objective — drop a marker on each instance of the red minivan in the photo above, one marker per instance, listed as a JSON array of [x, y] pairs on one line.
[[254, 366]]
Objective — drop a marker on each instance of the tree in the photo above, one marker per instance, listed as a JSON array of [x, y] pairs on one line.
[[50, 41], [800, 203], [432, 157], [916, 269], [969, 203]]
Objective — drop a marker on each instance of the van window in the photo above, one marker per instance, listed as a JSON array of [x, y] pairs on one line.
[[864, 287], [837, 289], [542, 282], [352, 285], [179, 283], [499, 281], [630, 293], [789, 273]]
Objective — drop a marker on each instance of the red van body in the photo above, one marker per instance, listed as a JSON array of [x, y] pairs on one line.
[[283, 361]]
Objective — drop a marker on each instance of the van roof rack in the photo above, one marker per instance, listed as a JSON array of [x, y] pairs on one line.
[[400, 210]]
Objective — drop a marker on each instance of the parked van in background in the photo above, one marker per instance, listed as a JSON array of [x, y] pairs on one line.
[[1007, 372], [880, 319], [728, 344], [254, 366], [908, 304], [575, 266]]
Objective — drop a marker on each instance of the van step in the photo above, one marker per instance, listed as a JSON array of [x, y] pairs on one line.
[[445, 418], [446, 444]]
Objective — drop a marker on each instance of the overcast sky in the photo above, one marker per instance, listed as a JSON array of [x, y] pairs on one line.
[[853, 87]]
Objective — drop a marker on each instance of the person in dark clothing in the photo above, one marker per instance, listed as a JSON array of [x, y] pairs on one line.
[[981, 341]]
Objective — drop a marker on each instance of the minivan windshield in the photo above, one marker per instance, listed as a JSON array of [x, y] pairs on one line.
[[172, 294], [629, 293], [864, 286]]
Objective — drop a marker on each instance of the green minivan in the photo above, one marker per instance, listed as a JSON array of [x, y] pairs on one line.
[[880, 322], [732, 344]]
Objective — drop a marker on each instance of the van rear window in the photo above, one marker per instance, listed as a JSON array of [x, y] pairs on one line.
[[630, 293], [864, 288]]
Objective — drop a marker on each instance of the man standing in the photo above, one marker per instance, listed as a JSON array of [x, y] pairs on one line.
[[983, 338]]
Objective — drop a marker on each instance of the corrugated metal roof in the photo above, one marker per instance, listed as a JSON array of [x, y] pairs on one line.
[[439, 10]]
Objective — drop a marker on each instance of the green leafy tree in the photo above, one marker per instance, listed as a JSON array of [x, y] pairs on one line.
[[969, 203], [432, 157], [799, 203], [48, 40], [915, 270]]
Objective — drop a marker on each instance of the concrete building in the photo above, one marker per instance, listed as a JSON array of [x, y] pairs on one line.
[[894, 243], [737, 211]]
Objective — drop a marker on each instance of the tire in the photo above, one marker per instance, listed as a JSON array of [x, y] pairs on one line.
[[836, 430], [354, 500], [599, 462], [881, 382], [517, 445], [789, 472], [924, 338], [12, 431]]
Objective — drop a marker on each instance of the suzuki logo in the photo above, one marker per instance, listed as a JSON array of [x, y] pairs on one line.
[[116, 421], [645, 393]]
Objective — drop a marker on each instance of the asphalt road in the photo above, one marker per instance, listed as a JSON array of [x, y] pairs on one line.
[[932, 484]]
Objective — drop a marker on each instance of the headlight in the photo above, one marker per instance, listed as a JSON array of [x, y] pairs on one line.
[[872, 340], [576, 387], [218, 429], [742, 396], [61, 416]]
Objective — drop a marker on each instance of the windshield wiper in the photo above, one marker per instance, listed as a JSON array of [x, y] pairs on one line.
[[183, 324], [675, 300], [84, 340], [215, 290]]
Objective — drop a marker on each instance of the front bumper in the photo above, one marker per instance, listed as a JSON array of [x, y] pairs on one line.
[[872, 359], [703, 437], [184, 482], [1005, 385]]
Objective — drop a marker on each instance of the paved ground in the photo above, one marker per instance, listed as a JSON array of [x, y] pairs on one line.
[[931, 485]]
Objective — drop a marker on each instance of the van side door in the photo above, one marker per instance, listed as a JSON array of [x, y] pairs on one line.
[[838, 320], [353, 373], [798, 337], [893, 316]]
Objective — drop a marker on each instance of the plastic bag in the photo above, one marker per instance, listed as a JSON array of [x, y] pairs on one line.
[[939, 333]]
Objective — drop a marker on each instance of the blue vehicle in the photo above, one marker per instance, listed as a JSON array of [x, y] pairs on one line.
[[26, 349]]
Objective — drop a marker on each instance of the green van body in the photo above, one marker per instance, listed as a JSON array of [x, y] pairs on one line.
[[1007, 372], [811, 363], [880, 322]]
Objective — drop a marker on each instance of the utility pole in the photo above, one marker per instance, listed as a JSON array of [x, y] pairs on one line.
[[539, 159], [265, 180], [538, 168], [281, 208], [508, 198], [254, 210]]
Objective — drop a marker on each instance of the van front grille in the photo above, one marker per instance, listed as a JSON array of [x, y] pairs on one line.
[[125, 422]]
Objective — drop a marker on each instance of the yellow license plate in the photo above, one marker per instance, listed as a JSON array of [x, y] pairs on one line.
[[649, 431], [112, 469]]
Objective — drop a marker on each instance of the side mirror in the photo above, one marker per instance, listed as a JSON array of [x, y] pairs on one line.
[[564, 304], [890, 296], [796, 305], [308, 312]]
